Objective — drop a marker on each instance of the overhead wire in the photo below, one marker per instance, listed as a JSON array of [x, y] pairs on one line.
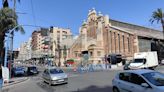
[[33, 13]]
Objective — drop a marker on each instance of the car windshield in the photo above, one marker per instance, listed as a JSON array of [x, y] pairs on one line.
[[139, 60], [56, 71], [155, 78], [18, 69], [32, 68]]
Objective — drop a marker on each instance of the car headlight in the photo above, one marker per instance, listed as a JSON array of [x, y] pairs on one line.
[[54, 78]]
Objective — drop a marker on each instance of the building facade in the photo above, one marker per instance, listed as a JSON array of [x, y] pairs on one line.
[[100, 36], [25, 51], [61, 39], [39, 45]]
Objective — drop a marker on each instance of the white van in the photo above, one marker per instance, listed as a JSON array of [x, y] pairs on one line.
[[144, 60]]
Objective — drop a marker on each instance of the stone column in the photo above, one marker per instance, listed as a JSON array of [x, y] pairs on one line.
[[121, 43], [109, 41], [131, 45], [117, 47], [126, 44], [113, 43]]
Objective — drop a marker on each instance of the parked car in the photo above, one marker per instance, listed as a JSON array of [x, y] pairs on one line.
[[32, 70], [138, 81], [54, 76], [18, 71]]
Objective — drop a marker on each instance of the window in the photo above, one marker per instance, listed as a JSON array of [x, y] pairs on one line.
[[155, 78], [139, 60], [136, 79], [56, 71], [91, 53], [124, 76], [98, 53]]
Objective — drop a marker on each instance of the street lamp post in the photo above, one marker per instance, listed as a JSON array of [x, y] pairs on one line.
[[7, 44]]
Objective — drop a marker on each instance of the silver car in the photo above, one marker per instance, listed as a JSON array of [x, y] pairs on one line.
[[54, 76]]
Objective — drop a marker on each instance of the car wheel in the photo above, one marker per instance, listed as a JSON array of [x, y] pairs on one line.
[[115, 89]]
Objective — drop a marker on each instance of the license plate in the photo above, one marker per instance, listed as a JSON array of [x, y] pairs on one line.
[[60, 80]]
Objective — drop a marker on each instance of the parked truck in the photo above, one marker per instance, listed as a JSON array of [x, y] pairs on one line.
[[144, 60]]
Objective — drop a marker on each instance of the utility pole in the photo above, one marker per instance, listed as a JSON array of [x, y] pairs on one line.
[[12, 35], [59, 51]]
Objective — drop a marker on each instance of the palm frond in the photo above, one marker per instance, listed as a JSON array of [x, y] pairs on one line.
[[5, 3], [157, 16]]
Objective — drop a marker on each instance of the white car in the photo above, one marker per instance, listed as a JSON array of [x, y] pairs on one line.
[[138, 81], [54, 76]]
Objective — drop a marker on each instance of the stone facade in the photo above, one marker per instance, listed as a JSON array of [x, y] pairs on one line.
[[100, 36]]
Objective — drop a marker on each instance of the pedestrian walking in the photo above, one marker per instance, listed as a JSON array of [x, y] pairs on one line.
[[1, 77]]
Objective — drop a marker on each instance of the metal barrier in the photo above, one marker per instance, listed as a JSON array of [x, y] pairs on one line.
[[91, 68]]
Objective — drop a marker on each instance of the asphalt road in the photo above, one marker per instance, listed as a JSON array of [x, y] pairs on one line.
[[87, 82]]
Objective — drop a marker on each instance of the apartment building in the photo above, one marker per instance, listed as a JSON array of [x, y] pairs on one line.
[[60, 37], [39, 48]]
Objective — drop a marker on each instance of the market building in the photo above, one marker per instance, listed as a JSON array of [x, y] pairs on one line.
[[100, 36]]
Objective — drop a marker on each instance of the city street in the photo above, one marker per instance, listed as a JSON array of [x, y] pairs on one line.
[[86, 82], [100, 81]]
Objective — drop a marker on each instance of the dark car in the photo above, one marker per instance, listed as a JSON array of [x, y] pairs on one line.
[[32, 70], [18, 71]]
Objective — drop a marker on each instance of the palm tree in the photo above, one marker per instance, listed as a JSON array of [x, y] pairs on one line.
[[158, 16], [8, 20], [5, 3]]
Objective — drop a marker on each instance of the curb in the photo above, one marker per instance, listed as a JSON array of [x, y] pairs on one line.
[[21, 80]]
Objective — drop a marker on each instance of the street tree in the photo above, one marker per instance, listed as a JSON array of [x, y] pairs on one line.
[[158, 16], [8, 21]]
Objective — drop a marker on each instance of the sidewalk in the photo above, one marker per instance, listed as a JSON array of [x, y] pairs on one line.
[[15, 81]]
